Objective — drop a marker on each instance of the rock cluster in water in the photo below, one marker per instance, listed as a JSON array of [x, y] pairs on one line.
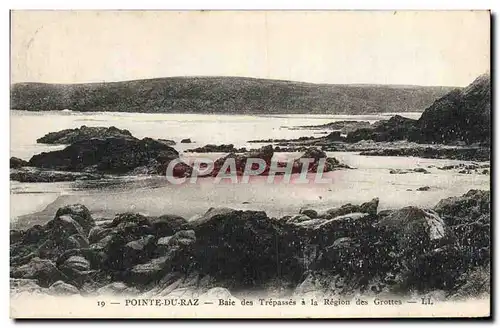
[[266, 154], [94, 151], [342, 251], [70, 136]]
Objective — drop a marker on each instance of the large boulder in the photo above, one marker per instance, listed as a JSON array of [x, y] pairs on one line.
[[80, 214], [467, 208], [109, 155], [469, 217], [43, 271], [83, 133], [77, 263], [414, 228], [232, 244], [63, 226]]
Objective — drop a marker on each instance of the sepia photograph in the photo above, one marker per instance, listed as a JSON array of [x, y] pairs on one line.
[[250, 164]]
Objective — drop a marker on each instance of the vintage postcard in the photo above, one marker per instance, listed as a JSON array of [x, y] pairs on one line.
[[250, 164]]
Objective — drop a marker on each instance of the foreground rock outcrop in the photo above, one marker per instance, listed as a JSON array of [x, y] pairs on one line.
[[342, 251]]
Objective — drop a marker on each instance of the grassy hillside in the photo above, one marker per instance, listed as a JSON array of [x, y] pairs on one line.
[[223, 95]]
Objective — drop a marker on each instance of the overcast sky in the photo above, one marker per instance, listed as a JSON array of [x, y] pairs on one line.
[[422, 48]]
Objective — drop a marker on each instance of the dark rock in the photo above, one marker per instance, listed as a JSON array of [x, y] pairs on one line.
[[186, 140], [425, 188], [183, 238], [83, 133], [63, 226], [343, 255], [405, 171], [266, 153], [78, 263], [39, 175], [167, 225], [231, 244], [460, 116], [335, 136], [138, 251], [314, 153], [343, 126], [212, 213], [143, 274], [468, 208], [215, 149], [396, 128], [348, 225], [469, 218], [77, 241], [43, 271], [123, 218], [98, 233], [17, 163], [16, 236], [310, 213], [414, 228], [80, 214], [34, 234], [368, 207], [111, 155], [167, 142]]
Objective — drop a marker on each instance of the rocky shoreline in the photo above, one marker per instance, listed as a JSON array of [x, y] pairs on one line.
[[352, 249], [97, 151]]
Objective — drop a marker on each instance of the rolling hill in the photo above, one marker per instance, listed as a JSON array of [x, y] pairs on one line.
[[231, 95]]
